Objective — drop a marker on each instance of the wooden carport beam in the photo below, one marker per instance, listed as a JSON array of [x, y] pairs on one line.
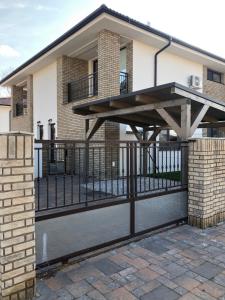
[[137, 134], [90, 131], [199, 118], [169, 120], [185, 121], [136, 109], [146, 99]]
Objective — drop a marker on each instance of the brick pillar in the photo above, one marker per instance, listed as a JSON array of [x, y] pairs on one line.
[[25, 121], [17, 95], [17, 212], [109, 85], [206, 164]]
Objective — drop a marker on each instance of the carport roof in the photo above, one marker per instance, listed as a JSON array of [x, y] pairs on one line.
[[166, 106], [133, 108]]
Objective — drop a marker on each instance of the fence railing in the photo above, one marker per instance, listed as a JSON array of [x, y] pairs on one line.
[[81, 174]]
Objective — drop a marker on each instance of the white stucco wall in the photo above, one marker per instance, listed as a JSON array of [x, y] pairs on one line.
[[45, 97], [170, 67], [4, 118]]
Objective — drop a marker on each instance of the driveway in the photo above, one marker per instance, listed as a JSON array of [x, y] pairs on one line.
[[182, 263]]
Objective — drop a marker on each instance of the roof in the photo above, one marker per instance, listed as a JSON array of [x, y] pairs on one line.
[[104, 9], [133, 108], [5, 101]]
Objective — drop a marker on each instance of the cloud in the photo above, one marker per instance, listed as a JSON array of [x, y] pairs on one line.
[[7, 51], [44, 7]]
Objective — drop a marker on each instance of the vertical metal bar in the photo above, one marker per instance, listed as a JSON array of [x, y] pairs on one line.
[[56, 192], [93, 173], [128, 168], [38, 178], [132, 188], [64, 191], [111, 168], [99, 170], [79, 166]]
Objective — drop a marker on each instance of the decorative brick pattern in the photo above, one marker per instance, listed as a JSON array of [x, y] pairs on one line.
[[24, 122], [206, 163], [17, 212]]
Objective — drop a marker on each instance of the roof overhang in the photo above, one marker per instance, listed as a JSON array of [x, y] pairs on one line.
[[157, 106], [85, 33]]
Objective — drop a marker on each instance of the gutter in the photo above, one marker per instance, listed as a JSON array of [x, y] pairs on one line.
[[156, 59]]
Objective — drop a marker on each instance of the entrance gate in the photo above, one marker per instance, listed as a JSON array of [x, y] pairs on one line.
[[93, 194]]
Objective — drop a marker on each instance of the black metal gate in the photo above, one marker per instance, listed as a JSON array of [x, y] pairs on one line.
[[105, 193]]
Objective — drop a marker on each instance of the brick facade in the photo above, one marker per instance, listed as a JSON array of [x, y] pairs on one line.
[[24, 122], [206, 165], [17, 232], [211, 88], [69, 126], [216, 90]]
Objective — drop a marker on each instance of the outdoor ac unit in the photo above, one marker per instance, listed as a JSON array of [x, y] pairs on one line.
[[195, 82]]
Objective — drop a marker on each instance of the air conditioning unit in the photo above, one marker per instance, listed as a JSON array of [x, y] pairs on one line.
[[195, 82]]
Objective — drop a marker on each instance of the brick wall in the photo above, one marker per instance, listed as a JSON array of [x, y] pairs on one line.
[[211, 88], [24, 122], [206, 165], [69, 126], [216, 90], [17, 237]]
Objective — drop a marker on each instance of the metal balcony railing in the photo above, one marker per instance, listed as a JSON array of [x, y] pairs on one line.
[[123, 82], [87, 86], [84, 87]]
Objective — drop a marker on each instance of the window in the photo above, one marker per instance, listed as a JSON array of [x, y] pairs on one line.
[[214, 76]]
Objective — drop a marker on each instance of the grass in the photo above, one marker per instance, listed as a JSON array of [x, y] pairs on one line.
[[176, 175]]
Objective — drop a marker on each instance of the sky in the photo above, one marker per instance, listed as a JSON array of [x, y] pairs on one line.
[[27, 26]]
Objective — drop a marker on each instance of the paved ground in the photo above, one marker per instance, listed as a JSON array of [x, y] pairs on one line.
[[182, 263]]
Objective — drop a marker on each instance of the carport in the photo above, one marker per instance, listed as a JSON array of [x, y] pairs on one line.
[[168, 106]]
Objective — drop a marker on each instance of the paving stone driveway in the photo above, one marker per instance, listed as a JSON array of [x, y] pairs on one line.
[[182, 263]]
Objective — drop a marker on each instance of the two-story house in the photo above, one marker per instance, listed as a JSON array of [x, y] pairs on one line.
[[104, 55]]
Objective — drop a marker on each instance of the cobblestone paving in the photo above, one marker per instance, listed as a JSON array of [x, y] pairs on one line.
[[182, 263]]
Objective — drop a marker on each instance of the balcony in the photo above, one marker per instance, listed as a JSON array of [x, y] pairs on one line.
[[87, 86], [21, 108]]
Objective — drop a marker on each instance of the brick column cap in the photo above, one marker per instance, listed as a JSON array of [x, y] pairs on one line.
[[17, 133]]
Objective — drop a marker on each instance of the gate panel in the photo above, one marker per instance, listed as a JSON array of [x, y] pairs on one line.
[[160, 210], [63, 236]]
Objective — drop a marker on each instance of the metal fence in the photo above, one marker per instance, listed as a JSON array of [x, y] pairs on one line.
[[83, 174]]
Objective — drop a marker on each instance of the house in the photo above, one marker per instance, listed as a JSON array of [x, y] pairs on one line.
[[104, 55], [5, 110]]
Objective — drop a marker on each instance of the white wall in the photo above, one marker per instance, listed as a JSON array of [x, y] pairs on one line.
[[45, 97], [170, 67], [4, 118]]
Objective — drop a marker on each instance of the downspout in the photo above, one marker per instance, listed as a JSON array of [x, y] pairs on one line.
[[156, 59]]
